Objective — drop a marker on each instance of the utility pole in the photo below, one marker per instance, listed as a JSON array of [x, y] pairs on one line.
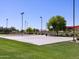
[[6, 22], [25, 24], [22, 19], [41, 23], [74, 20]]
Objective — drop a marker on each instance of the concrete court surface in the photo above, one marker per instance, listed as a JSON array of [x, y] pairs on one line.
[[37, 39]]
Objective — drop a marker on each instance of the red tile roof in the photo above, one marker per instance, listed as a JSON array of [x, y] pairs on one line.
[[77, 27]]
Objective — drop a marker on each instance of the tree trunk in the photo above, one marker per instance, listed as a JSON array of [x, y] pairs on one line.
[[57, 33]]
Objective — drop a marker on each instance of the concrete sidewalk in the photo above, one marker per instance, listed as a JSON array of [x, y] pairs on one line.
[[37, 39]]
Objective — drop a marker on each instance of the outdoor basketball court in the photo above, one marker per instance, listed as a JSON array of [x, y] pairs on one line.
[[37, 39]]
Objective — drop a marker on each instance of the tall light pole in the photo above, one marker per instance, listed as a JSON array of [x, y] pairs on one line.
[[25, 24], [74, 20], [41, 23], [6, 22], [22, 19]]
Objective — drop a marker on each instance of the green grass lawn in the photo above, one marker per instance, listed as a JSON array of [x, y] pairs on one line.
[[17, 50]]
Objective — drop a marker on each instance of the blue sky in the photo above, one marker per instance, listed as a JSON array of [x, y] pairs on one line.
[[33, 9]]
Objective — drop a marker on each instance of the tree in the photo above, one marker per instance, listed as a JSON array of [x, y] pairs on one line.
[[13, 29], [35, 30], [29, 30], [6, 30], [56, 23]]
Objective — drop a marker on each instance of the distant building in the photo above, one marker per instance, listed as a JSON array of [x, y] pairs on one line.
[[72, 27]]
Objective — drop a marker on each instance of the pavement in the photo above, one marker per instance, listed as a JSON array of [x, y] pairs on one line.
[[37, 39]]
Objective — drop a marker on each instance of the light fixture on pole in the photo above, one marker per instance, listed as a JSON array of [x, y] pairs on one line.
[[6, 22], [22, 19], [73, 20], [41, 23]]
